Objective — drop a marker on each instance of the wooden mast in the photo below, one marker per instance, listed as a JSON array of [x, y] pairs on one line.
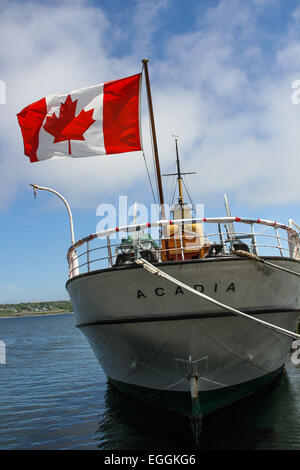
[[154, 140], [179, 177]]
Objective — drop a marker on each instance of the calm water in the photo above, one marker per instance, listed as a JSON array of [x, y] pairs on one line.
[[54, 395]]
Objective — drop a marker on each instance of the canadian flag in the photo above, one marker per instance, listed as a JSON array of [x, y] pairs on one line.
[[99, 120]]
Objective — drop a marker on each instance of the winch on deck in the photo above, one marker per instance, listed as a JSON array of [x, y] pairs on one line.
[[132, 248]]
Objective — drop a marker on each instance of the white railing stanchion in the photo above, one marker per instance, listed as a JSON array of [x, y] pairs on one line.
[[88, 255], [288, 245], [278, 241], [254, 240], [110, 258]]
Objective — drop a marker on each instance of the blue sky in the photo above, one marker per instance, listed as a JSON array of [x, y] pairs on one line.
[[221, 74]]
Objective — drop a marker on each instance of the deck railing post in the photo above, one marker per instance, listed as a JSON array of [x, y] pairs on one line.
[[278, 241], [254, 242], [109, 253], [88, 255], [221, 238]]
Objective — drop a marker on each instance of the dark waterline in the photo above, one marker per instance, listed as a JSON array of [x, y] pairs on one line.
[[54, 395]]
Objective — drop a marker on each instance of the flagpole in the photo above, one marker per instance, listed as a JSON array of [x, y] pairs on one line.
[[154, 140], [165, 242]]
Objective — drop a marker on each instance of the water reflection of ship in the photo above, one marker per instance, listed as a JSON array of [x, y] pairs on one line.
[[122, 425]]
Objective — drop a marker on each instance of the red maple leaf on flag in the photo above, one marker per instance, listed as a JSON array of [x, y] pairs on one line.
[[68, 126]]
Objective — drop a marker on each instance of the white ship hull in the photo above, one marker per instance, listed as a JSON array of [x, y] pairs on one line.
[[143, 330]]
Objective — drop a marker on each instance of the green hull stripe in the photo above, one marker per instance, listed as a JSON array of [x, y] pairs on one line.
[[210, 401]]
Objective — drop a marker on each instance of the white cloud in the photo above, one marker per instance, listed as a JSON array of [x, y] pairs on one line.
[[248, 137], [145, 23], [54, 49], [265, 3], [230, 16], [239, 133]]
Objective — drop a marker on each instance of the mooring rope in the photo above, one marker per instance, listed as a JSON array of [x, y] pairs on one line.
[[153, 270], [250, 256]]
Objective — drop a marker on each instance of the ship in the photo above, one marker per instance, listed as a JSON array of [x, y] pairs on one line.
[[195, 319]]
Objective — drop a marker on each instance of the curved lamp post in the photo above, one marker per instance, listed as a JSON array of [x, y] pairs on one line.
[[35, 187], [74, 262]]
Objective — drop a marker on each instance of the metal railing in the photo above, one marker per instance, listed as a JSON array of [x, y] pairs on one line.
[[269, 239]]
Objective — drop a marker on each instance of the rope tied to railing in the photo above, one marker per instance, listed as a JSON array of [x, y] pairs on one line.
[[248, 255], [252, 257], [158, 272]]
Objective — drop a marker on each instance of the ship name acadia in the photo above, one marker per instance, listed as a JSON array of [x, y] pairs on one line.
[[161, 291]]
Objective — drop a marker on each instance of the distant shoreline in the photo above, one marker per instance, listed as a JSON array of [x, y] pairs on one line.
[[39, 308], [34, 314]]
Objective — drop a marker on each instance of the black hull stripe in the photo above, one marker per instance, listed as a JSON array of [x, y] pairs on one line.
[[186, 316]]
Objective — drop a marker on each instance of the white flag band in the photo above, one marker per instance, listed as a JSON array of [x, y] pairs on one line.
[[99, 120]]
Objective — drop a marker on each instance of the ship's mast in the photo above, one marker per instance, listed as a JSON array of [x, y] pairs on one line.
[[179, 175]]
